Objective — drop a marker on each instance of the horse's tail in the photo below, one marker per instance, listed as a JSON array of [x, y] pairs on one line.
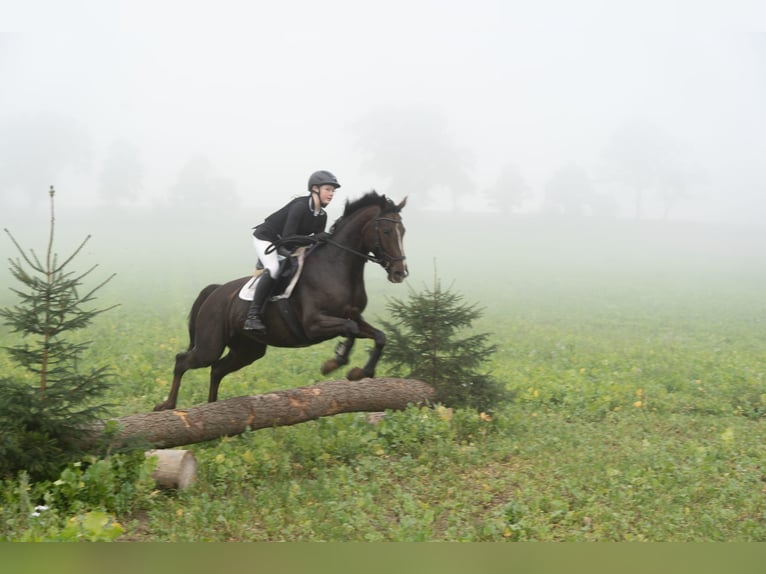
[[203, 295]]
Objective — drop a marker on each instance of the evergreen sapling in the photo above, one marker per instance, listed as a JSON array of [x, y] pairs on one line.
[[43, 412], [427, 341]]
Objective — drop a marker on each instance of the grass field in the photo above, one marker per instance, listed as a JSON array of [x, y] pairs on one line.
[[636, 357]]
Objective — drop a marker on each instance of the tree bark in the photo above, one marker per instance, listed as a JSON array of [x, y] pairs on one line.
[[168, 429]]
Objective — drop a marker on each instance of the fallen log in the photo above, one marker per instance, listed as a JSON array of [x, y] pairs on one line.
[[229, 417]]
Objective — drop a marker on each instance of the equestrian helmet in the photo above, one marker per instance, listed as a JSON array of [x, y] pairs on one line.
[[323, 178]]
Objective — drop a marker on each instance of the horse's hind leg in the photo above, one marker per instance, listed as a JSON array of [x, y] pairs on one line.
[[184, 362], [233, 361], [192, 359], [342, 351]]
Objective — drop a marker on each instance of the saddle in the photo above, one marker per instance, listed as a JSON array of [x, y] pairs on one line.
[[290, 269]]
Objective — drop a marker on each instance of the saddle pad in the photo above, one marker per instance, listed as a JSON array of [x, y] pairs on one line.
[[247, 293]]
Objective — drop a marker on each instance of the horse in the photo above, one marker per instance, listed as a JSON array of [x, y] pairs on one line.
[[327, 301]]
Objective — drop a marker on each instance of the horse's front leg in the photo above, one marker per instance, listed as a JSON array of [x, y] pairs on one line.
[[367, 331], [327, 326], [352, 330], [342, 352]]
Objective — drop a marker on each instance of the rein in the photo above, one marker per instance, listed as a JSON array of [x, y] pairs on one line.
[[366, 256], [384, 261]]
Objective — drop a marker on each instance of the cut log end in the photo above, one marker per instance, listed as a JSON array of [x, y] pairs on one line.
[[175, 468]]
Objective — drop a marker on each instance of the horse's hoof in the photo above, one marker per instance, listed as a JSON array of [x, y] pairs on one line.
[[355, 374], [162, 407], [329, 366]]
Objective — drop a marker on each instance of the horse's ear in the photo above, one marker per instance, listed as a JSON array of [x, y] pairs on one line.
[[401, 205]]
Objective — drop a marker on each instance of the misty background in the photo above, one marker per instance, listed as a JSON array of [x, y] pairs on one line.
[[171, 123]]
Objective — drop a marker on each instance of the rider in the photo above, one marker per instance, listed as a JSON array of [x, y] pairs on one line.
[[301, 216]]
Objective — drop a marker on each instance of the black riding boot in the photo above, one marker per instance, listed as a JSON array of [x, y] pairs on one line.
[[262, 293]]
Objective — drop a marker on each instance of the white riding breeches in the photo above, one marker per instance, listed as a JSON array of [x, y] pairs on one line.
[[270, 260]]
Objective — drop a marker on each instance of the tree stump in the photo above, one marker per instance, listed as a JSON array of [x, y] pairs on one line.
[[175, 468]]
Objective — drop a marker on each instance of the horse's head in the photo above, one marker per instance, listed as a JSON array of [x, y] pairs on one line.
[[373, 224], [388, 241]]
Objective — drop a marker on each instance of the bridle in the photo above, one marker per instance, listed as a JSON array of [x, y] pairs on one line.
[[383, 258], [379, 255]]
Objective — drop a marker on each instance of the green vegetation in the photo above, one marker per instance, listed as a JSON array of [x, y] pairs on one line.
[[633, 355]]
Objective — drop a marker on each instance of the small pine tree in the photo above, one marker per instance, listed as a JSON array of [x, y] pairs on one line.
[[425, 342], [42, 413]]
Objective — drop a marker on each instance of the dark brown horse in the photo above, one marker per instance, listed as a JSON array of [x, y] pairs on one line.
[[327, 301]]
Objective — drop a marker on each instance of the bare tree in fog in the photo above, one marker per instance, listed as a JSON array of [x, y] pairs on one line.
[[122, 174], [509, 190], [413, 147], [199, 186], [569, 191], [644, 158], [673, 185], [36, 149]]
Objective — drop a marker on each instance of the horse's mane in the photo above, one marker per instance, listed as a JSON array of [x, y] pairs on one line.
[[370, 199]]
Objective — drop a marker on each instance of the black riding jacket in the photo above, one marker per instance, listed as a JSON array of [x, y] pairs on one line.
[[295, 218]]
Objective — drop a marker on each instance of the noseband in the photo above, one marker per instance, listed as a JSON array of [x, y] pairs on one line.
[[381, 257]]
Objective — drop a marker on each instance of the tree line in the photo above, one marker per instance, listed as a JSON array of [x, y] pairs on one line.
[[639, 161]]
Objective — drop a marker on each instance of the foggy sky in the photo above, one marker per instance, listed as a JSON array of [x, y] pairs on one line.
[[267, 92]]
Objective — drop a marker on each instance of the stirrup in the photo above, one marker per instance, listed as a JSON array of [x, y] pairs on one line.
[[254, 324]]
